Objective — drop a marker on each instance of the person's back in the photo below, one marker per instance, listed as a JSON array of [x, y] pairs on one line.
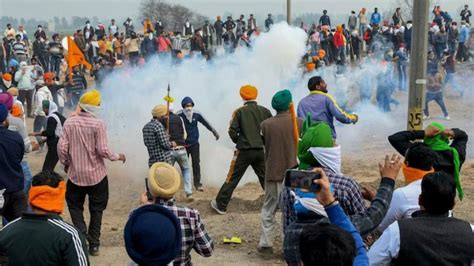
[[38, 239], [245, 127], [177, 131], [11, 155]]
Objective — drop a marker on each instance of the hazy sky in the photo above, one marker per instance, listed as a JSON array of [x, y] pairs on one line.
[[46, 9]]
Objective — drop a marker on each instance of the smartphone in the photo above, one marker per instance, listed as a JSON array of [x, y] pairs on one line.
[[148, 194], [302, 179]]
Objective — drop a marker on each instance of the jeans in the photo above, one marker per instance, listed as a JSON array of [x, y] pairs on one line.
[[75, 96], [402, 77], [98, 199], [181, 157], [54, 64], [438, 98], [27, 175]]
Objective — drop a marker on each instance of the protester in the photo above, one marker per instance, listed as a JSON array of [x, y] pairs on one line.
[[76, 85], [20, 49], [375, 18], [152, 235], [9, 32], [133, 48], [365, 222], [449, 158], [177, 132], [163, 182], [434, 92], [437, 238], [278, 134], [34, 231], [268, 22], [191, 117], [338, 243], [324, 20], [322, 107], [156, 139], [244, 131], [12, 180], [419, 160], [463, 39], [40, 33], [42, 94], [52, 132], [6, 82], [85, 166], [219, 28], [24, 78], [401, 59], [56, 50], [466, 14]]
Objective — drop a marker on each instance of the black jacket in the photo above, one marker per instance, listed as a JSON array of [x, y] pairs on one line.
[[444, 161], [50, 132], [12, 150], [176, 130]]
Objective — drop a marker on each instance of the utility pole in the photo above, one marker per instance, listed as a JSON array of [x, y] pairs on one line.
[[419, 50], [288, 12]]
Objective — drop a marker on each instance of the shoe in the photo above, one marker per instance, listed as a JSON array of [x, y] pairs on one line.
[[265, 250], [189, 198], [426, 117], [200, 188], [214, 206], [447, 117], [94, 251]]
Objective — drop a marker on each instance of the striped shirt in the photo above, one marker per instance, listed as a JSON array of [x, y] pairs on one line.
[[82, 147]]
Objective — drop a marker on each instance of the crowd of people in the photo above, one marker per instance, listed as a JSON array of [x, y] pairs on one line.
[[342, 223]]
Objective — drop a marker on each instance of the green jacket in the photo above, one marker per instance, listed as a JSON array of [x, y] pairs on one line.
[[36, 239], [244, 128]]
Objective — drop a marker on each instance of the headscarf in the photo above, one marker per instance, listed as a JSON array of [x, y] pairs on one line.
[[283, 101], [441, 143], [52, 107], [48, 198]]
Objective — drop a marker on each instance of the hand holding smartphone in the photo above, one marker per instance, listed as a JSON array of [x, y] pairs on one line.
[[302, 179]]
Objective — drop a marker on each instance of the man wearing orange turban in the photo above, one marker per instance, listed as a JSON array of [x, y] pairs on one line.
[[43, 233], [244, 131]]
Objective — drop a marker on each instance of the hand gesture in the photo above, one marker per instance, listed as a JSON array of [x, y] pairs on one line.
[[391, 167], [324, 196], [217, 136], [144, 199], [431, 132], [449, 133], [35, 146]]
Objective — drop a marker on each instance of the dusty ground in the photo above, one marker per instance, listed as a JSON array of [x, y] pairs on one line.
[[359, 160]]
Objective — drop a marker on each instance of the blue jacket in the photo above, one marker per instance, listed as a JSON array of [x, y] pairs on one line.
[[463, 34], [323, 107], [192, 126], [12, 150], [336, 216], [375, 18]]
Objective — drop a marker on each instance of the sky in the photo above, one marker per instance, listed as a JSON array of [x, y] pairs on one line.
[[46, 9]]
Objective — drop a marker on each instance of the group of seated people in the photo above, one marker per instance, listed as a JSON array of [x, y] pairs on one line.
[[331, 227]]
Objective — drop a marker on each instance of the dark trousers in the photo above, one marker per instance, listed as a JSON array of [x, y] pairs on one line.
[[219, 38], [14, 205], [193, 150], [2, 64], [26, 96], [438, 98], [241, 161], [51, 158], [98, 198]]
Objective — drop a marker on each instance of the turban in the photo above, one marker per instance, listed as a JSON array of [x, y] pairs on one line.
[[7, 77], [6, 99], [281, 100], [318, 135], [13, 91], [91, 98], [159, 111], [48, 198], [163, 180], [310, 67], [248, 92]]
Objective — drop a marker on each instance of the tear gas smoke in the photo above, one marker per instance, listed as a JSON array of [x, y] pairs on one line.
[[271, 65]]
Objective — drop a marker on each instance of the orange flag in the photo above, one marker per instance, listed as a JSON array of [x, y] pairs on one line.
[[75, 56]]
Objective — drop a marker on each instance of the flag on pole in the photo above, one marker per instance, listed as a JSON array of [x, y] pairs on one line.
[[75, 56]]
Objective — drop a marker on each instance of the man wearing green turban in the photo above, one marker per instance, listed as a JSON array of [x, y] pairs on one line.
[[449, 157]]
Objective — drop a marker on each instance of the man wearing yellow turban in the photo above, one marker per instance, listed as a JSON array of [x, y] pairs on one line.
[[82, 148]]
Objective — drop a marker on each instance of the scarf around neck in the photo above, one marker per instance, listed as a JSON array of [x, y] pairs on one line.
[[412, 174]]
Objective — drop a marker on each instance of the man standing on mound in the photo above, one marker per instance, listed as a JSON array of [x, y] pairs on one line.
[[244, 131]]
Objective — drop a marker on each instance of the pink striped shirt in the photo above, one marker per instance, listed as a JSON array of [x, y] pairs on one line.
[[83, 147]]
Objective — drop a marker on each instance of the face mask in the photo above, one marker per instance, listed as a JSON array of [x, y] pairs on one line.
[[40, 29], [56, 82], [454, 27], [150, 36], [187, 24], [88, 25], [7, 83], [188, 109]]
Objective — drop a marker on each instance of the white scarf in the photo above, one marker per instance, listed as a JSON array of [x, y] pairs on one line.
[[188, 112], [328, 157], [311, 204], [91, 109]]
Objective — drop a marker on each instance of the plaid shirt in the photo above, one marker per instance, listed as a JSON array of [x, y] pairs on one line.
[[364, 222], [157, 142], [193, 231]]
